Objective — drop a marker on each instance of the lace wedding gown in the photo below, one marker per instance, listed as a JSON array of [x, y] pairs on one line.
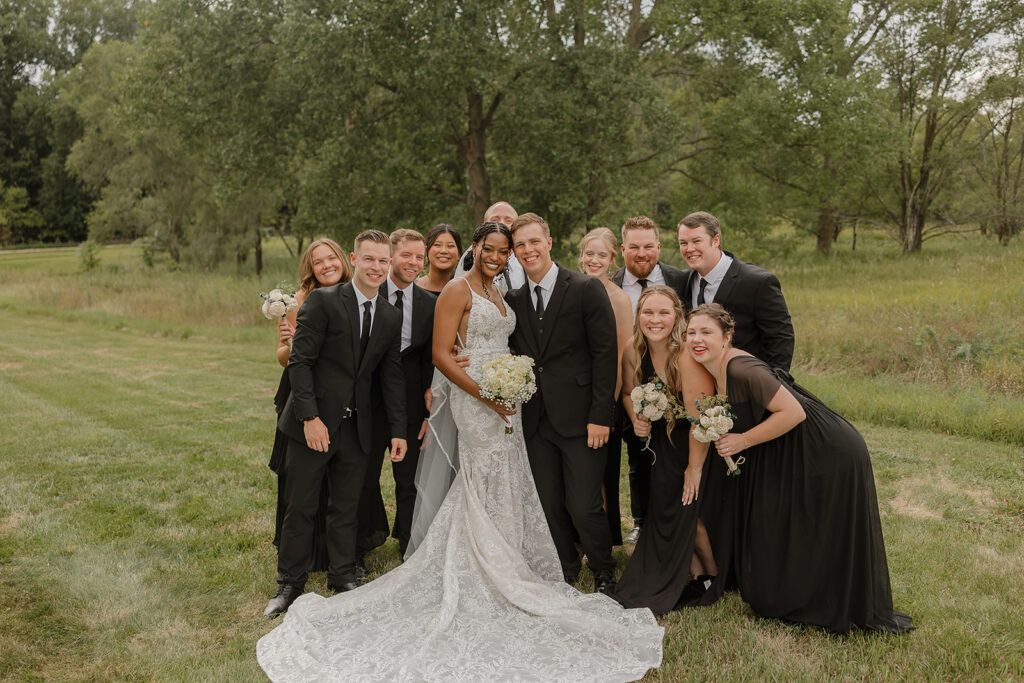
[[482, 598]]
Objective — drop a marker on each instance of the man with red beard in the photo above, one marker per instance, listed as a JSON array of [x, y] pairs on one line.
[[641, 247]]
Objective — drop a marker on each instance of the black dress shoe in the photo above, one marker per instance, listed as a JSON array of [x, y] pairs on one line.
[[279, 604], [571, 578], [343, 587], [604, 582]]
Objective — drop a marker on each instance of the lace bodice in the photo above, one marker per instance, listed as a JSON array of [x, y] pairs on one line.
[[487, 332]]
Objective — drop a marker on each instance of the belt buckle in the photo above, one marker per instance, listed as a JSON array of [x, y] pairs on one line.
[[348, 413]]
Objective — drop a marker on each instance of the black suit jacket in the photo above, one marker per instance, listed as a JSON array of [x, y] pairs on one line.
[[754, 298], [574, 358], [327, 375], [674, 278], [417, 359]]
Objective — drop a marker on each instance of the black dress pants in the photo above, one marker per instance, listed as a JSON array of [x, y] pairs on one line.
[[568, 475], [344, 468]]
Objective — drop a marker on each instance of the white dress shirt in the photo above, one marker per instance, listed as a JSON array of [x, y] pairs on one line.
[[546, 284], [407, 293], [632, 287], [714, 278], [360, 300]]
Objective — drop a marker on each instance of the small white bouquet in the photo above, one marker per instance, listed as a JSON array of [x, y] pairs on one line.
[[508, 380], [713, 421], [651, 401], [276, 304]]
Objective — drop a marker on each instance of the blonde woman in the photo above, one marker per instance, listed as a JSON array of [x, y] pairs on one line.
[[597, 259]]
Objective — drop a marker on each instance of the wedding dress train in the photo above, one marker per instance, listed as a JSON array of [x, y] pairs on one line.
[[482, 598]]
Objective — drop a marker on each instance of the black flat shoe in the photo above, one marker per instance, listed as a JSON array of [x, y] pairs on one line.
[[280, 603]]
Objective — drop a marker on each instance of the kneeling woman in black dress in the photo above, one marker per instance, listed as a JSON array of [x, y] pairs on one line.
[[808, 542], [662, 563]]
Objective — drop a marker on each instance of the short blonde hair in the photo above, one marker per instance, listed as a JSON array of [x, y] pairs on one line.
[[528, 219], [404, 235], [604, 234], [638, 223]]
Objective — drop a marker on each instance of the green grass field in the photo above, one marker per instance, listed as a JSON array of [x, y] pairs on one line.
[[136, 509]]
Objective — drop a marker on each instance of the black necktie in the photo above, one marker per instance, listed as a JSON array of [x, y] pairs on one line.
[[700, 294], [364, 337], [400, 306], [643, 284], [540, 302]]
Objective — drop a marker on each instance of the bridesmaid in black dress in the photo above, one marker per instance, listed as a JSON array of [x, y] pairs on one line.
[[659, 572], [809, 545]]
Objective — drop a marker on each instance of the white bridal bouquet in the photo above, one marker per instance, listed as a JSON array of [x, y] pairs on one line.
[[651, 401], [276, 304], [508, 380], [713, 421]]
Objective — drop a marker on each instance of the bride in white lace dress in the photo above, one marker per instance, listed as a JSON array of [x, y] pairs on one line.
[[482, 598]]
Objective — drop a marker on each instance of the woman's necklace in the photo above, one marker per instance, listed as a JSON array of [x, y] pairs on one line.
[[487, 292]]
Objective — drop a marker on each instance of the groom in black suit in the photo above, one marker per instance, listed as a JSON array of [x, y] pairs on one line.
[[564, 321], [343, 334], [752, 295]]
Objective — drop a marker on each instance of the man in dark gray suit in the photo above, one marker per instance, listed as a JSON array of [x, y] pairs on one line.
[[752, 295], [641, 248]]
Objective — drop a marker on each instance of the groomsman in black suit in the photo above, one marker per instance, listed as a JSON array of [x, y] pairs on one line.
[[641, 249], [752, 295], [416, 306], [565, 322], [343, 335]]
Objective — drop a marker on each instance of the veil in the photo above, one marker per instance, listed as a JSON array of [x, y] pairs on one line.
[[439, 461]]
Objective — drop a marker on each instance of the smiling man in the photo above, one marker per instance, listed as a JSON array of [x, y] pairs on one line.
[[752, 295], [344, 334], [564, 321]]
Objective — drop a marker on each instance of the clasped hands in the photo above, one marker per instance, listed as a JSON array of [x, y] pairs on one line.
[[318, 439]]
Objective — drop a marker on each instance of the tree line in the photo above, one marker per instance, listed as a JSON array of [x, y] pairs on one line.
[[206, 126]]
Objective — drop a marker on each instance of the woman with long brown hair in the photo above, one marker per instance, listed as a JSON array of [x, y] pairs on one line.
[[665, 559]]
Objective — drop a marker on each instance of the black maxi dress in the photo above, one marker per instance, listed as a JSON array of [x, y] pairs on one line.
[[809, 545], [659, 570]]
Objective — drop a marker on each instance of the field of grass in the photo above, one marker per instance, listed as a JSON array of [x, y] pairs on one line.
[[136, 509]]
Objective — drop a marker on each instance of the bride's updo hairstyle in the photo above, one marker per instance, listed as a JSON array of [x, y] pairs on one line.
[[718, 314], [480, 233]]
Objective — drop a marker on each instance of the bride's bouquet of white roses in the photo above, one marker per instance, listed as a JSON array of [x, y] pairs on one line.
[[276, 303], [713, 421], [508, 380], [651, 401]]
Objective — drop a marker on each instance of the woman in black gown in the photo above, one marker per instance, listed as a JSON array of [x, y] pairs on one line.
[[808, 545], [322, 264], [659, 572]]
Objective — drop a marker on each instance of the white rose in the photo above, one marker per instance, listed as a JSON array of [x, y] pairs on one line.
[[651, 395], [276, 308], [722, 424], [699, 434], [705, 421], [276, 295], [713, 434], [637, 394], [266, 311], [651, 412], [714, 411]]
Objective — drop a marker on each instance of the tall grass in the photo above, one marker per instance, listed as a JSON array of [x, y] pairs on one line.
[[932, 341]]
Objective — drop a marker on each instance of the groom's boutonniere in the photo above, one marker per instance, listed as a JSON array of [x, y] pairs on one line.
[[713, 421], [508, 380]]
